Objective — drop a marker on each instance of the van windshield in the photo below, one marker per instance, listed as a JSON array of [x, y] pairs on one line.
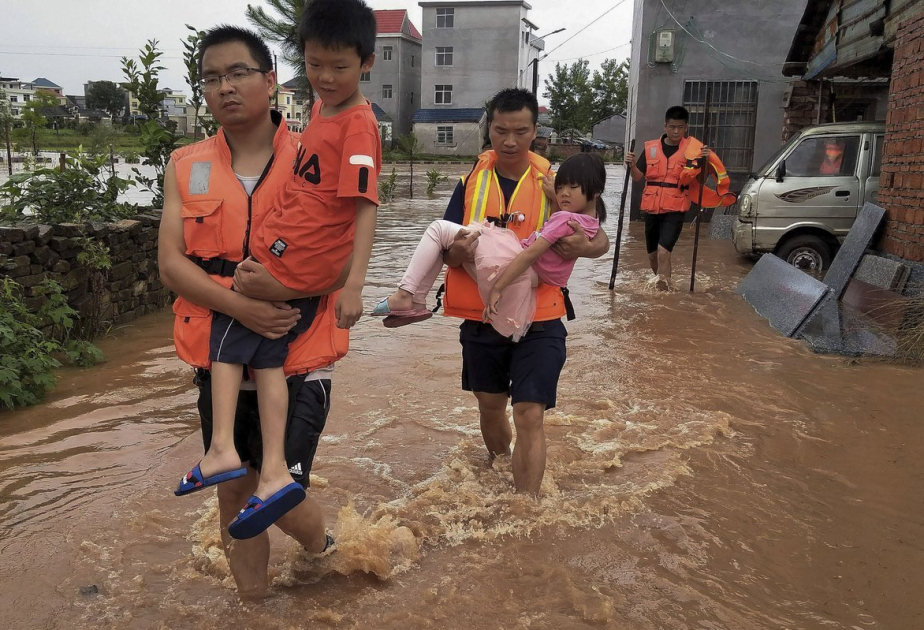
[[764, 171]]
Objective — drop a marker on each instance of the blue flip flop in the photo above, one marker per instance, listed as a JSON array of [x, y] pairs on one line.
[[194, 481], [258, 514]]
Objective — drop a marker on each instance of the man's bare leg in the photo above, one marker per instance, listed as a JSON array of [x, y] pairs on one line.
[[305, 523], [529, 452], [495, 426], [664, 265], [248, 559], [653, 261]]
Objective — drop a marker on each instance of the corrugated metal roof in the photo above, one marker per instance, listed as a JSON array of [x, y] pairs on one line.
[[380, 114], [461, 114]]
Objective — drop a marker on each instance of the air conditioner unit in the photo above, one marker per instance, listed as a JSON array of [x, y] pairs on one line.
[[664, 46]]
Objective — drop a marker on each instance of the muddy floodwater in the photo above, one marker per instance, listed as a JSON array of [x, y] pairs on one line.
[[704, 472]]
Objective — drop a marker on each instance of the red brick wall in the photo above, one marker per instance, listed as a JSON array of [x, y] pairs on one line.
[[901, 190]]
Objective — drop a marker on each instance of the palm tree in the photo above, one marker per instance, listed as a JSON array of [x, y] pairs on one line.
[[283, 31]]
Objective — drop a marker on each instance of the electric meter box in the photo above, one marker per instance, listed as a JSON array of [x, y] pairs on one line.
[[664, 46]]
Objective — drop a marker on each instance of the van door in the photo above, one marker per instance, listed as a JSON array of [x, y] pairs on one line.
[[871, 193], [820, 188]]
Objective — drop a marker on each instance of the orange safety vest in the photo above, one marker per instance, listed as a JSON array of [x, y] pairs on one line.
[[663, 191], [484, 198], [834, 156], [218, 220], [712, 197]]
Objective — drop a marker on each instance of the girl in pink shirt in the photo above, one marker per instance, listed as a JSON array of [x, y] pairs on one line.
[[506, 268]]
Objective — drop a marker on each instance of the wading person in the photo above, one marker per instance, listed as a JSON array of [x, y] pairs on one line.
[[664, 200], [508, 180], [216, 194]]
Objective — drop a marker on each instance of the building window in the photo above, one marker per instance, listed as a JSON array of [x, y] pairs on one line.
[[15, 112], [445, 18], [365, 77], [412, 98], [298, 115], [732, 119], [444, 55], [443, 95], [444, 135], [412, 61], [288, 100], [14, 99], [386, 91], [26, 98], [386, 53]]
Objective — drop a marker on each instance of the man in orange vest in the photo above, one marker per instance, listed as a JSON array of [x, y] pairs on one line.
[[216, 192], [664, 201], [510, 181], [833, 158]]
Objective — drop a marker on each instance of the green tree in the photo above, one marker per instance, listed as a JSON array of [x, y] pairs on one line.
[[410, 147], [34, 112], [611, 89], [159, 139], [142, 81], [283, 31], [571, 96], [106, 96], [6, 127], [191, 59]]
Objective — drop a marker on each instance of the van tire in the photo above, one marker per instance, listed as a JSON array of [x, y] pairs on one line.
[[806, 252]]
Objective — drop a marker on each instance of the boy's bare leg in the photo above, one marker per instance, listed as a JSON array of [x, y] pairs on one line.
[[226, 385], [529, 452], [249, 558], [273, 403]]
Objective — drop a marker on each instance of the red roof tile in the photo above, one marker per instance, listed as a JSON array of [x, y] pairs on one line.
[[392, 21]]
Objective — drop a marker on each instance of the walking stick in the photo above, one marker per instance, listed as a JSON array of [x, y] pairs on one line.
[[622, 207], [702, 185]]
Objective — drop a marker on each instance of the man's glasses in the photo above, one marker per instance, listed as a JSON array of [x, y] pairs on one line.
[[235, 77]]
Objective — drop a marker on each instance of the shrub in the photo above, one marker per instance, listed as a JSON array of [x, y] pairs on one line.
[[434, 179], [388, 186]]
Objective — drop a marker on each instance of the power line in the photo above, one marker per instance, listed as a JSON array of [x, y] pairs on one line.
[[33, 54], [628, 43]]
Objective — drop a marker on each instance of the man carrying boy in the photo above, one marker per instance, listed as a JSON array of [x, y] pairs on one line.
[[511, 180], [664, 201]]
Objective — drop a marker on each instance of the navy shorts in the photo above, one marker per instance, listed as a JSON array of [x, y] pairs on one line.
[[309, 404], [527, 370], [663, 229], [232, 342]]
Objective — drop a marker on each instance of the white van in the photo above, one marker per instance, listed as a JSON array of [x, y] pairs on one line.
[[803, 201]]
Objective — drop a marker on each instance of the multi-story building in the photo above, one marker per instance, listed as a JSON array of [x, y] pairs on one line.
[[284, 103], [394, 81], [683, 50], [18, 93], [471, 50]]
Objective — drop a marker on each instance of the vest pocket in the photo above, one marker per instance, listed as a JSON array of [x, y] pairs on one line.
[[192, 327], [202, 228]]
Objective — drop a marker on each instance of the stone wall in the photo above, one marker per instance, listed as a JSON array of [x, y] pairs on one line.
[[901, 186], [31, 253]]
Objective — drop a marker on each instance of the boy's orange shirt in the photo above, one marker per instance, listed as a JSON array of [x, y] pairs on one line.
[[307, 237]]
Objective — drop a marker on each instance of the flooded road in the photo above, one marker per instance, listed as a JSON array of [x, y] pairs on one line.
[[704, 472]]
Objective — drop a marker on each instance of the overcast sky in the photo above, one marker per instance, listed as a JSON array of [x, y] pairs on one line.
[[72, 41]]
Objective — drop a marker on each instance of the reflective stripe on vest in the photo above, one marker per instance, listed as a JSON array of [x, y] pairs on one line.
[[484, 198]]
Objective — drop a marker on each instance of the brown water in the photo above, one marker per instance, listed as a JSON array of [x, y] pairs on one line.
[[704, 472]]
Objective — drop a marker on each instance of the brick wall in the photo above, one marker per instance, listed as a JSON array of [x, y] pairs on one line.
[[901, 190], [802, 110]]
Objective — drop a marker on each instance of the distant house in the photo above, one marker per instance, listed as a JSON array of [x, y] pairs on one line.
[[450, 131], [18, 92], [386, 125], [394, 81], [44, 85], [611, 130]]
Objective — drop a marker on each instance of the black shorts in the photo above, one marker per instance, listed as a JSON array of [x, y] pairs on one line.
[[309, 404], [527, 370], [232, 342], [662, 229]]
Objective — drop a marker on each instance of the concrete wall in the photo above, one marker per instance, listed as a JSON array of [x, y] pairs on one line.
[[403, 74], [31, 253], [758, 32], [468, 138], [486, 42], [901, 190], [612, 130]]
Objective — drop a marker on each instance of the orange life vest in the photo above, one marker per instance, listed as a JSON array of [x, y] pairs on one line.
[[484, 198], [834, 157], [663, 187], [712, 197], [218, 219]]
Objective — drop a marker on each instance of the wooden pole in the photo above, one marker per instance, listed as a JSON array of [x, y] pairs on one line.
[[702, 185], [622, 207]]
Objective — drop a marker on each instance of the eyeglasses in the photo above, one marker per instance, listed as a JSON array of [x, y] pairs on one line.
[[235, 77]]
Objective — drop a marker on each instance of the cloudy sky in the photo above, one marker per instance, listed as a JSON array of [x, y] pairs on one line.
[[72, 41]]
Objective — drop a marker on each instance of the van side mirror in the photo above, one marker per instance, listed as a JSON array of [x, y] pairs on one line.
[[781, 171]]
